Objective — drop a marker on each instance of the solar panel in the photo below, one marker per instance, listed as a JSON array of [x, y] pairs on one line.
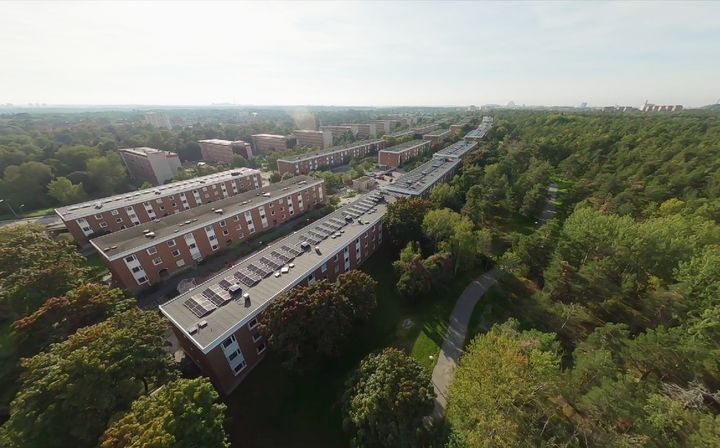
[[226, 283], [199, 305], [248, 280], [309, 239], [215, 297], [337, 221], [270, 263], [291, 250], [258, 270], [280, 256]]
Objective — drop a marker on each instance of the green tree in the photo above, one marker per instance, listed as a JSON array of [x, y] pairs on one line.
[[464, 243], [59, 317], [69, 393], [445, 196], [65, 192], [239, 161], [413, 279], [503, 388], [75, 157], [181, 414], [359, 288], [275, 177], [25, 184], [385, 401], [34, 267], [439, 224], [106, 174], [404, 218]]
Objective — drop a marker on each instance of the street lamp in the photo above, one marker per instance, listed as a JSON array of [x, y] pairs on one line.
[[10, 207]]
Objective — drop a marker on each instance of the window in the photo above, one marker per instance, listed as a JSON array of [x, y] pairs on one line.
[[142, 280], [223, 223], [212, 237], [180, 263], [130, 258], [257, 337], [233, 355], [214, 247], [229, 341], [102, 224], [114, 212], [193, 246], [136, 269], [323, 268], [261, 348], [171, 243], [98, 216], [253, 323], [119, 220], [157, 261], [239, 368], [225, 232], [152, 250], [176, 253], [208, 228]]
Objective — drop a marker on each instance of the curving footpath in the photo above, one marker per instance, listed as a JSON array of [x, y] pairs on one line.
[[452, 346]]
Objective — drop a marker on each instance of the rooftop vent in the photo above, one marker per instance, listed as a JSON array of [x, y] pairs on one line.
[[193, 329], [150, 235], [202, 324], [98, 204], [219, 211]]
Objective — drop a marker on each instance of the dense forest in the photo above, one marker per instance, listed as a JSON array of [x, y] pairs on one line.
[[613, 334]]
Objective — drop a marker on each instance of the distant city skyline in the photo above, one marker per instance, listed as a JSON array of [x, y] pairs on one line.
[[359, 54]]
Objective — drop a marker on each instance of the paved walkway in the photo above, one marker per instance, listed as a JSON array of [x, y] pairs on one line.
[[452, 347]]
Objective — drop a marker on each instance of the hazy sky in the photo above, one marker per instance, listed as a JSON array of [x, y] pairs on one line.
[[405, 53]]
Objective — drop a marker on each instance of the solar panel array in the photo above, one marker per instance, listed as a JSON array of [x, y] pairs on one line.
[[216, 296]]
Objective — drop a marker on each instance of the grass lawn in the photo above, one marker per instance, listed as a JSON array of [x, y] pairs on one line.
[[273, 407], [7, 215]]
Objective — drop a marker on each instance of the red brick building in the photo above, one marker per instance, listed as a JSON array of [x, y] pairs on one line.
[[101, 216], [397, 155], [150, 165], [216, 323], [437, 137], [339, 131], [149, 253], [335, 156], [265, 143], [217, 150], [319, 139], [366, 130]]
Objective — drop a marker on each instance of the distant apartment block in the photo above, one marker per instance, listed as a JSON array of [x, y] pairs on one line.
[[437, 137], [318, 139], [265, 143], [158, 120], [458, 127], [382, 126], [217, 150], [216, 323], [334, 156], [366, 130], [657, 108], [339, 131], [91, 219], [456, 151], [397, 155], [421, 181], [478, 134], [424, 129], [148, 253], [151, 165]]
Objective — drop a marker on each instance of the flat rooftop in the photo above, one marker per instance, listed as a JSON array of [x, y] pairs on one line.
[[421, 178], [332, 149], [208, 313], [269, 135], [437, 133], [456, 150], [119, 244], [217, 141], [83, 209], [144, 150], [402, 133], [405, 146]]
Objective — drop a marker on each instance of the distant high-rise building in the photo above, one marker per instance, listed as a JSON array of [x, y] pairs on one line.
[[158, 120], [264, 143], [150, 165], [318, 139]]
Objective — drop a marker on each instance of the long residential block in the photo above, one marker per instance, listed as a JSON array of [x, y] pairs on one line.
[[216, 323], [217, 150], [364, 130], [149, 253], [91, 219], [437, 137], [478, 134], [424, 129], [457, 150], [340, 130], [421, 181], [395, 156], [335, 156]]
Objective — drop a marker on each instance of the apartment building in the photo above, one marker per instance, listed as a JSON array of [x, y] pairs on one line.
[[318, 139], [421, 181], [335, 156], [366, 130], [424, 129], [216, 323], [478, 134], [339, 131], [90, 219], [437, 137], [148, 253], [395, 156], [457, 150], [150, 165], [217, 150], [457, 128], [265, 143], [382, 126]]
